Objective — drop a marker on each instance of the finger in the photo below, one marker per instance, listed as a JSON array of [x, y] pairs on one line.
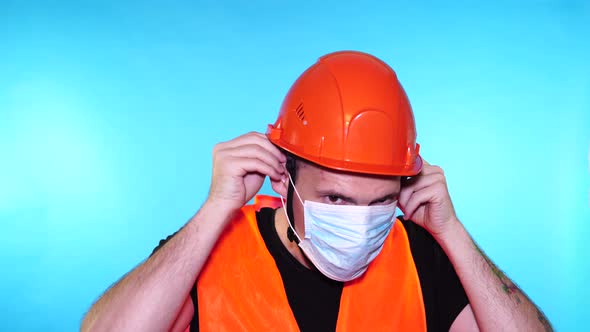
[[279, 187], [420, 183], [418, 199], [265, 142], [429, 169], [259, 139], [251, 165], [256, 151]]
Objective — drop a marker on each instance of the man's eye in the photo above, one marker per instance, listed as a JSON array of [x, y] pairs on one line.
[[334, 199]]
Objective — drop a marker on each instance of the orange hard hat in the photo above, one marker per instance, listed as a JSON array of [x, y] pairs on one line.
[[349, 112]]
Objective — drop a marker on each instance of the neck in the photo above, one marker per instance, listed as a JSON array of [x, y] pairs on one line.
[[282, 225]]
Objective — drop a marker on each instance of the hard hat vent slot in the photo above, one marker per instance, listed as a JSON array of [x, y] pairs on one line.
[[301, 113]]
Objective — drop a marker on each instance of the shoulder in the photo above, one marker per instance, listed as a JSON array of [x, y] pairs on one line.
[[426, 252], [421, 242], [442, 292]]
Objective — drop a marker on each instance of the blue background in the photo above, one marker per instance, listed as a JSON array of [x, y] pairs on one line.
[[109, 112]]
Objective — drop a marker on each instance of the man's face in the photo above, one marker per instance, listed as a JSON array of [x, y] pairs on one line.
[[319, 184]]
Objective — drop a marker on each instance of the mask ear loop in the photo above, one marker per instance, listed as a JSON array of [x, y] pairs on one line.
[[293, 184], [291, 231]]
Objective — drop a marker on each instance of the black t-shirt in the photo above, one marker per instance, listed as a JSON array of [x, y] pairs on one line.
[[315, 299]]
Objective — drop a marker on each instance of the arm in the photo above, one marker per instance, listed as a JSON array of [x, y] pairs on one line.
[[155, 295], [496, 304], [151, 296]]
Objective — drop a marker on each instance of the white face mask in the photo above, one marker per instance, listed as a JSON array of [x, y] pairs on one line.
[[341, 240]]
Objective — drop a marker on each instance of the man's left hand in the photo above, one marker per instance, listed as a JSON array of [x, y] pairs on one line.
[[425, 200]]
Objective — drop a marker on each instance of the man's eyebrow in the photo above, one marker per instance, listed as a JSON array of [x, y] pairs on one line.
[[351, 200], [384, 198], [337, 194]]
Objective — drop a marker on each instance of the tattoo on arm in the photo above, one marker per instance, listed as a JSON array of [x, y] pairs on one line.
[[510, 289], [508, 286]]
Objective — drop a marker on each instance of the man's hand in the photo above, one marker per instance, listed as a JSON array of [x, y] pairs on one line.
[[495, 302], [239, 169], [425, 200], [154, 295]]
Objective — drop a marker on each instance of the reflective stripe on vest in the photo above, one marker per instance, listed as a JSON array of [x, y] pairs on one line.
[[240, 287]]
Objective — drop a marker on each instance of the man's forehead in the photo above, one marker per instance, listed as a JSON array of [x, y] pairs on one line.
[[328, 179], [327, 173]]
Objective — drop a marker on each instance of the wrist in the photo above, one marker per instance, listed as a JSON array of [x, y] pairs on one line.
[[214, 212], [453, 231], [220, 206]]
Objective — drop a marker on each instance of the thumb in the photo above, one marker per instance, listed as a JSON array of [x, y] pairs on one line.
[[280, 187]]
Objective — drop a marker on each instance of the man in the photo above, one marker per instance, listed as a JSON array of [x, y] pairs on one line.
[[329, 254]]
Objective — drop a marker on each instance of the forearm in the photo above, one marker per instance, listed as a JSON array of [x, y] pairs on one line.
[[498, 304], [150, 297]]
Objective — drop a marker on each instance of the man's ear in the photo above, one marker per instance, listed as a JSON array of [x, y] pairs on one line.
[[280, 187]]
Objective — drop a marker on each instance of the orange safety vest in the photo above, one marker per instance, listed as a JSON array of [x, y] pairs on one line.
[[240, 287]]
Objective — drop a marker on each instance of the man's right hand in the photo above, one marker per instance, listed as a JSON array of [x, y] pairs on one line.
[[239, 168], [153, 296]]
